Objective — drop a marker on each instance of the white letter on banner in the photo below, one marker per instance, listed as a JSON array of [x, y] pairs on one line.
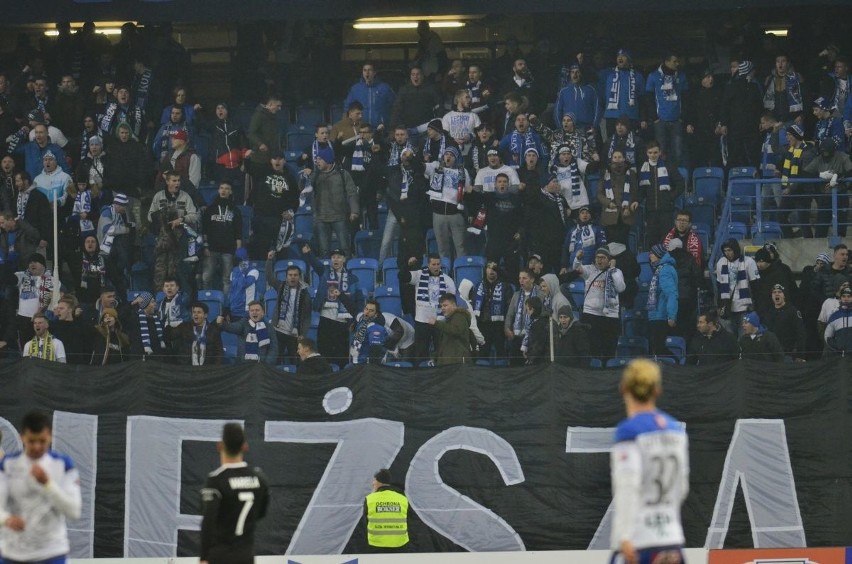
[[363, 447], [758, 459], [76, 434], [11, 439], [152, 514], [587, 440], [456, 516]]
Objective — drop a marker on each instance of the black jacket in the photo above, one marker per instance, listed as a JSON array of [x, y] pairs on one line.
[[765, 346], [538, 340], [719, 347], [573, 346], [742, 104], [222, 225], [787, 324], [314, 366], [130, 171]]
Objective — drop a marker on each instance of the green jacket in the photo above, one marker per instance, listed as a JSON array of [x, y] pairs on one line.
[[452, 338]]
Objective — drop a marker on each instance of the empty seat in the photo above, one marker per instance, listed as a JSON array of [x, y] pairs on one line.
[[389, 299], [629, 347], [368, 243], [470, 268], [214, 299], [767, 230], [390, 271], [707, 182], [366, 270], [677, 346], [299, 138], [310, 115]]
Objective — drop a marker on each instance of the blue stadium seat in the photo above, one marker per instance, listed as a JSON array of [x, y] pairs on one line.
[[368, 243], [335, 113], [242, 116], [133, 294], [677, 346], [665, 360], [269, 300], [383, 216], [736, 230], [617, 362], [148, 251], [311, 114], [140, 277], [288, 368], [708, 182], [389, 272], [281, 267], [768, 230], [389, 299], [641, 296], [399, 364], [629, 347], [261, 275], [431, 242], [229, 347], [303, 221], [595, 363], [209, 189], [201, 141], [741, 172], [299, 138], [470, 268], [702, 209], [246, 214], [214, 299], [635, 323], [577, 289], [645, 272], [366, 270]]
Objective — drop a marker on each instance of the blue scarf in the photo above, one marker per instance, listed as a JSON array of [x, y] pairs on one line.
[[343, 284], [518, 145], [145, 334], [629, 148], [559, 201], [423, 289], [610, 294], [285, 235], [170, 310], [360, 155], [490, 296], [824, 128], [572, 173], [792, 87], [199, 344], [521, 323], [662, 176], [194, 241], [475, 90], [615, 90], [625, 192], [652, 288], [256, 337], [583, 237], [395, 152], [284, 308]]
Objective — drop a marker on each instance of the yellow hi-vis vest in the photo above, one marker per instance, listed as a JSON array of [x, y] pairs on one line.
[[387, 519]]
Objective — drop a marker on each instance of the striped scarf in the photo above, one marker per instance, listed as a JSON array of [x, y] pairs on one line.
[[625, 193], [407, 179], [792, 162], [559, 201], [145, 334], [662, 175], [615, 90], [582, 237], [199, 344], [285, 235], [315, 148], [170, 310], [570, 173], [733, 279], [46, 352], [360, 155], [284, 309], [475, 90], [518, 145], [342, 279], [652, 287], [490, 297], [194, 241], [256, 337], [395, 152], [109, 236], [430, 146], [425, 289], [521, 322], [21, 204], [791, 86], [83, 204], [629, 148]]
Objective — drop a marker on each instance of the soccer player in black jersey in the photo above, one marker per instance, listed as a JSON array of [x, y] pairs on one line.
[[234, 499]]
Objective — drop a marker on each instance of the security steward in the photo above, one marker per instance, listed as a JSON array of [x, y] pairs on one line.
[[386, 511]]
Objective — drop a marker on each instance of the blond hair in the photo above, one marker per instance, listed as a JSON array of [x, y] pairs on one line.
[[641, 379]]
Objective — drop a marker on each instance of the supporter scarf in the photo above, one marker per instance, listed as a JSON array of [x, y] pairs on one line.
[[572, 173], [83, 204], [48, 352], [652, 287], [823, 130], [518, 145], [358, 154], [407, 179], [106, 121], [17, 138], [610, 293], [285, 235], [11, 253], [109, 236], [521, 323], [94, 267], [662, 176], [668, 85], [475, 90], [615, 90], [166, 139], [84, 143], [194, 241], [284, 309], [256, 337], [491, 297], [792, 87], [342, 279], [558, 200], [360, 333], [629, 148], [583, 237], [625, 193], [143, 87], [170, 309], [23, 198], [146, 335], [395, 152], [199, 344], [29, 287], [315, 147], [792, 162], [423, 289]]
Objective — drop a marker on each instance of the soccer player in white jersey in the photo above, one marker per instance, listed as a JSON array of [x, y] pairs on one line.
[[39, 490], [650, 473]]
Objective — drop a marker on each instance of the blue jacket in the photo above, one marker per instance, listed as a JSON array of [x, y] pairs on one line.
[[831, 127], [580, 100], [243, 290], [667, 103], [33, 157], [588, 250], [505, 148], [666, 291], [374, 343], [624, 107], [377, 99]]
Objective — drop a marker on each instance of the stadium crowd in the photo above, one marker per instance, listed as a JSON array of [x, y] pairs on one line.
[[493, 211]]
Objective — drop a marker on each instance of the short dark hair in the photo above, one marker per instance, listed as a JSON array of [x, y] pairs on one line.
[[200, 305], [308, 343], [434, 256], [233, 438], [685, 212], [256, 302], [171, 279], [651, 144], [356, 105], [294, 267], [24, 175], [840, 246], [448, 297], [383, 476], [374, 302], [534, 303], [502, 175], [36, 421], [711, 316], [272, 96]]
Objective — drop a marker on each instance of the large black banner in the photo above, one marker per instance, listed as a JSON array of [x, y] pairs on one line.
[[491, 459]]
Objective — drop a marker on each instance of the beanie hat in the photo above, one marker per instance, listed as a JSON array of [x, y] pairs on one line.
[[603, 251], [145, 298], [181, 134], [48, 155], [846, 291], [565, 310], [36, 116], [626, 52], [436, 125], [675, 243], [383, 476], [823, 257], [120, 199], [241, 254], [744, 68], [564, 148], [96, 140], [762, 255], [571, 115], [752, 318], [658, 250], [531, 150], [453, 151], [326, 154], [823, 104], [780, 288], [796, 131]]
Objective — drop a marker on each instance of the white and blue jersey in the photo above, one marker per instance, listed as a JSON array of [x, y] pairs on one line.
[[650, 480], [44, 508]]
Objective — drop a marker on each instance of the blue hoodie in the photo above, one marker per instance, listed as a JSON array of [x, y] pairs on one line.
[[666, 291], [668, 102], [377, 99]]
